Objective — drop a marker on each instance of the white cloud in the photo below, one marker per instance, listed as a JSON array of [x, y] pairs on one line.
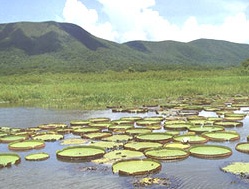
[[137, 20]]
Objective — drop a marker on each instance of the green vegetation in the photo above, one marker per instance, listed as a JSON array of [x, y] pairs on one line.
[[237, 168], [136, 167], [98, 90], [8, 159], [37, 157], [27, 47]]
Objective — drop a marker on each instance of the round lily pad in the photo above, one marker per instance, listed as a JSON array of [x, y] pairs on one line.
[[80, 153], [120, 127], [73, 141], [210, 151], [237, 168], [191, 139], [222, 136], [177, 145], [123, 122], [141, 146], [37, 157], [13, 138], [154, 137], [135, 118], [100, 125], [48, 137], [202, 129], [8, 159], [123, 154], [118, 138], [166, 153], [228, 123], [148, 122], [136, 131], [154, 118], [85, 130], [136, 167], [99, 119], [27, 145], [79, 123], [243, 147], [178, 127], [107, 144], [52, 126], [97, 135]]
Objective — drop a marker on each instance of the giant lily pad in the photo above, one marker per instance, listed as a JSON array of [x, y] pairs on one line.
[[52, 126], [133, 119], [166, 153], [100, 120], [136, 167], [141, 146], [154, 137], [228, 123], [27, 145], [178, 127], [79, 123], [210, 151], [97, 135], [222, 136], [191, 139], [136, 131], [148, 123], [8, 159], [84, 130], [101, 125], [123, 154], [237, 168], [243, 147], [118, 138], [202, 129], [48, 137], [37, 157], [121, 127], [80, 153], [177, 145], [73, 141], [107, 144], [154, 118], [13, 138]]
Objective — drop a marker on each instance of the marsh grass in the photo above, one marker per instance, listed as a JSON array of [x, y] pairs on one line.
[[98, 90]]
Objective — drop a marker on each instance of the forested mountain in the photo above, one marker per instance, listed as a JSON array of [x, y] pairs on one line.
[[62, 47]]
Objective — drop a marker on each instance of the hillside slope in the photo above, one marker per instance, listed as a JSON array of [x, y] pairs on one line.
[[62, 47]]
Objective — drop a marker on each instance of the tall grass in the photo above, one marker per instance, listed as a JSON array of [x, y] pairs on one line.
[[98, 90]]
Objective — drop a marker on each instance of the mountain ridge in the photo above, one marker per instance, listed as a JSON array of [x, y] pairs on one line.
[[60, 47]]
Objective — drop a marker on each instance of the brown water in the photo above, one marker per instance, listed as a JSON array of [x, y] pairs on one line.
[[191, 173]]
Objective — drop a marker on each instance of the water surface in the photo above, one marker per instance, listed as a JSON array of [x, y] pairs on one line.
[[52, 173]]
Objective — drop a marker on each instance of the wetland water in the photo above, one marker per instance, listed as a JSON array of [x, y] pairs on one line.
[[52, 173]]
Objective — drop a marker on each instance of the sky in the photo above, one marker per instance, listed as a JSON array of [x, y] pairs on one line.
[[151, 20]]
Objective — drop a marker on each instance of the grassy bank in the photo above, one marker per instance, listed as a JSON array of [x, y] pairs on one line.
[[98, 90]]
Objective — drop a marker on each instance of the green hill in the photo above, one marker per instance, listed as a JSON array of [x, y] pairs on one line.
[[62, 47]]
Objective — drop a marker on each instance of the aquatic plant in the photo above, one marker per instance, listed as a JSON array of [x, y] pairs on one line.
[[164, 153], [76, 153], [134, 167], [210, 151], [37, 156], [8, 159], [26, 145]]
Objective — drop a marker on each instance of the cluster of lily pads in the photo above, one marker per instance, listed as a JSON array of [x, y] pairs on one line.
[[137, 145]]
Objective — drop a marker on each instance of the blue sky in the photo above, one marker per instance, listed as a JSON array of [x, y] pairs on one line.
[[152, 20]]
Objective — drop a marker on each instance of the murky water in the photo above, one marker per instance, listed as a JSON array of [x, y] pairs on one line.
[[189, 173]]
